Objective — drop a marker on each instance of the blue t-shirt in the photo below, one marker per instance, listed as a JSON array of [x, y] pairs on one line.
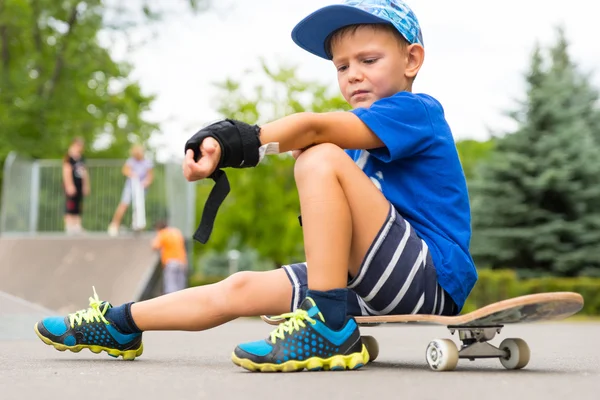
[[420, 173]]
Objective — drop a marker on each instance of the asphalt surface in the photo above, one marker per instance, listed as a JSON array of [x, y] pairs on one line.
[[196, 365]]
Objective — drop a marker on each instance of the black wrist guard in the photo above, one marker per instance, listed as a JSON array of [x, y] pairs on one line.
[[239, 144]]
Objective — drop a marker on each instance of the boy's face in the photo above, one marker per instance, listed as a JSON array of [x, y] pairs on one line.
[[371, 64], [78, 146], [138, 152]]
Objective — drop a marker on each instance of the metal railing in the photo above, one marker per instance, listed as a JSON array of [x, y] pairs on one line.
[[33, 199]]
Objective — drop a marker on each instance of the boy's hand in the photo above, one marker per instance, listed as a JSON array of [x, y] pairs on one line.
[[71, 190], [239, 143], [206, 165]]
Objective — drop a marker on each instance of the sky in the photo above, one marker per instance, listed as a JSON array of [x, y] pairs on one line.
[[476, 54]]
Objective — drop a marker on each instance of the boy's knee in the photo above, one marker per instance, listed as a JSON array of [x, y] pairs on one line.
[[318, 159], [237, 282]]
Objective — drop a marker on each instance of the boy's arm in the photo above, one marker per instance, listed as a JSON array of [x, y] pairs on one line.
[[126, 170], [156, 242], [86, 182], [68, 178], [294, 132], [149, 178], [241, 148], [302, 130]]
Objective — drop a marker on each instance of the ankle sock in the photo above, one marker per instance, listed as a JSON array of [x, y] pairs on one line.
[[121, 317], [332, 304]]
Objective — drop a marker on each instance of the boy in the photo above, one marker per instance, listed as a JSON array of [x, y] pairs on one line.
[[171, 244], [136, 167], [386, 228], [76, 183]]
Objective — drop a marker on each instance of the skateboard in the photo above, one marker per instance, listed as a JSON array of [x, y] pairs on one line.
[[138, 220], [477, 328]]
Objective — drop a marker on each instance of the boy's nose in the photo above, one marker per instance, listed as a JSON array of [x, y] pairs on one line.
[[355, 74]]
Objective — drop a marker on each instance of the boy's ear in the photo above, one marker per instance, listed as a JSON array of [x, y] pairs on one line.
[[415, 55]]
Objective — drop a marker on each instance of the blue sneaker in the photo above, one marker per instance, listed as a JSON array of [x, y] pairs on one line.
[[89, 329], [304, 341]]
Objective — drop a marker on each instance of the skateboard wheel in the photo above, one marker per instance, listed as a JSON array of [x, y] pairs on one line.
[[518, 353], [372, 347], [442, 355]]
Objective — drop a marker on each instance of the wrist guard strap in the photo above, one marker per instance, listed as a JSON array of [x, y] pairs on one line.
[[240, 145]]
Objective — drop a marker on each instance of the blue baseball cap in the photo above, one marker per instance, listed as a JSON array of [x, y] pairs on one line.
[[313, 31]]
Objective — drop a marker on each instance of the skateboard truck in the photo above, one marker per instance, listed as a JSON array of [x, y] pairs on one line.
[[475, 341], [443, 355]]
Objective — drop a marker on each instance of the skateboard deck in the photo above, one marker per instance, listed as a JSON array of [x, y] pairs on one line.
[[478, 327], [138, 220], [529, 308]]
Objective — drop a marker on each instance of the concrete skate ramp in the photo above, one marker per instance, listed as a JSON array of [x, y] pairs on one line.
[[58, 273], [17, 317]]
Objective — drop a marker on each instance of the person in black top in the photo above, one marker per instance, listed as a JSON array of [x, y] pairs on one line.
[[76, 184]]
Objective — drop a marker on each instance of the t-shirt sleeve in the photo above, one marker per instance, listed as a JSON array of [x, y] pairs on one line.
[[402, 123]]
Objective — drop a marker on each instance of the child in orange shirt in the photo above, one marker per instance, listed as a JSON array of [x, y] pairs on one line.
[[171, 244]]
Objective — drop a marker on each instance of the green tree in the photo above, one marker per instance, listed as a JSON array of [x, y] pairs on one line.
[[261, 212], [472, 153], [58, 79], [536, 203]]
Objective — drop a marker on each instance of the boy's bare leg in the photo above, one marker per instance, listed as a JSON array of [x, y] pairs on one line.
[[204, 307], [77, 223], [242, 294], [119, 213], [342, 213], [68, 223]]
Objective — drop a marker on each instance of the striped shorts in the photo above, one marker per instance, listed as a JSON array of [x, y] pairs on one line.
[[397, 276]]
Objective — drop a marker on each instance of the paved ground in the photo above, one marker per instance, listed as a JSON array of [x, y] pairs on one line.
[[182, 365], [565, 359]]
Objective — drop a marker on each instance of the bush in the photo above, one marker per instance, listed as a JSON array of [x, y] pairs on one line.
[[216, 264], [496, 285]]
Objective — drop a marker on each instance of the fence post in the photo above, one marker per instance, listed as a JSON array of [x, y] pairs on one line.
[[191, 208], [233, 257], [10, 159], [34, 203]]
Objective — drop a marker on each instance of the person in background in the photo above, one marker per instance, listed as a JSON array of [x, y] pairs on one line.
[[139, 167], [171, 244], [76, 184]]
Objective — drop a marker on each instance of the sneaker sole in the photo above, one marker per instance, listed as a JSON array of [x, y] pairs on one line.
[[126, 354], [336, 363]]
